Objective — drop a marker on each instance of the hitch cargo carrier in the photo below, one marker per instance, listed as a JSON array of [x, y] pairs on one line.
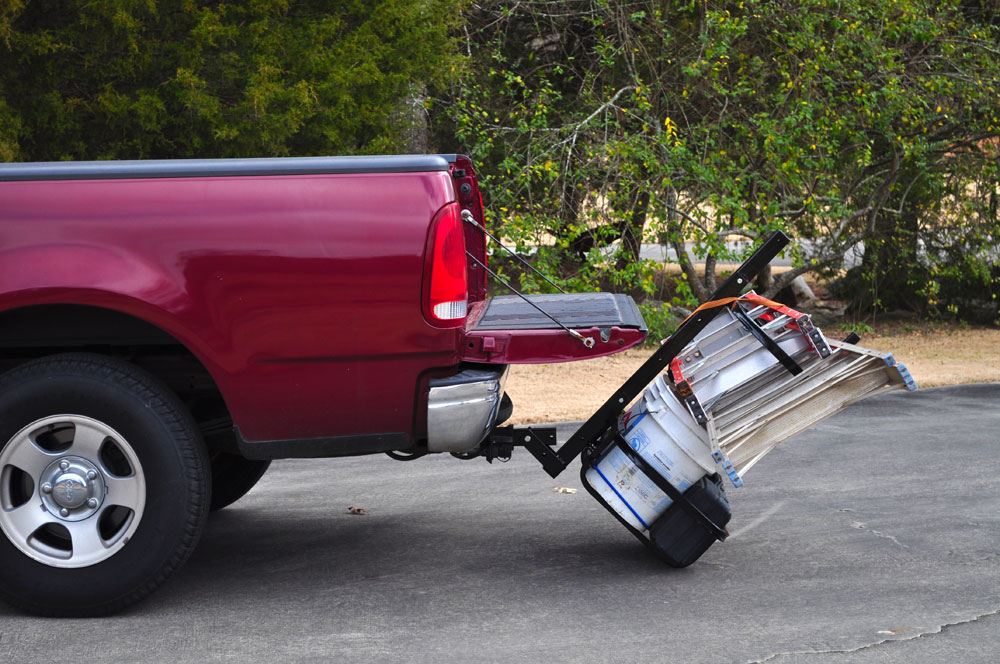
[[742, 374]]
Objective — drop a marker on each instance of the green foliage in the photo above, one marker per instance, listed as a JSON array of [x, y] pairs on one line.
[[661, 320], [856, 326], [113, 79], [600, 123], [939, 255]]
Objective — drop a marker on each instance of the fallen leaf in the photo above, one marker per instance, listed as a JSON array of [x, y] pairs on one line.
[[356, 510], [898, 630], [565, 489]]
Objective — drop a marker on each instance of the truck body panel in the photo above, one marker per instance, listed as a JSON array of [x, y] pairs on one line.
[[300, 294], [298, 284]]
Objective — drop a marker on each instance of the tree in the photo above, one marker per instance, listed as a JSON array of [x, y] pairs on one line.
[[600, 121], [114, 79]]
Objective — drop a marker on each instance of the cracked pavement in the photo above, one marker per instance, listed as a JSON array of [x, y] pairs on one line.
[[955, 642], [873, 537]]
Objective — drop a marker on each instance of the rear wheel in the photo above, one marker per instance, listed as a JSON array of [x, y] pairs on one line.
[[104, 485]]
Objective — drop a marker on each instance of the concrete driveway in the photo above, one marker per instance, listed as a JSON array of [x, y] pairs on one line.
[[874, 537]]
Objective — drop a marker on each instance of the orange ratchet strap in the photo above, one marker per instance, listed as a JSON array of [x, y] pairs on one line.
[[801, 320]]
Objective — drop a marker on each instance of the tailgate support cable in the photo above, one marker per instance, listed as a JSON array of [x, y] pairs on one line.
[[468, 218], [586, 341]]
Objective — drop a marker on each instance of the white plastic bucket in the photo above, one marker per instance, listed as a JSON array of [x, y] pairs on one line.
[[661, 429]]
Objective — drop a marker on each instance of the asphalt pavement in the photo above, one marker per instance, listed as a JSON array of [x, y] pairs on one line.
[[873, 537]]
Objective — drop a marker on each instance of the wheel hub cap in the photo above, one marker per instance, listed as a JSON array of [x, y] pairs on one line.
[[72, 491], [72, 488]]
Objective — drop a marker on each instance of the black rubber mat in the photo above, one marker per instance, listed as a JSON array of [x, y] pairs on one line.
[[574, 310]]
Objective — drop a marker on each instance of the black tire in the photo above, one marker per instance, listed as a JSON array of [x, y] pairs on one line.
[[232, 477], [173, 468]]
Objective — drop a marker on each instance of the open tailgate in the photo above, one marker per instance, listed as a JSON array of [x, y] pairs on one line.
[[508, 330]]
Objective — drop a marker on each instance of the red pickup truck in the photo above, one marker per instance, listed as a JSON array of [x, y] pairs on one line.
[[169, 327]]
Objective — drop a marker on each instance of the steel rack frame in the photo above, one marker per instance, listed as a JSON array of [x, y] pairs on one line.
[[600, 432]]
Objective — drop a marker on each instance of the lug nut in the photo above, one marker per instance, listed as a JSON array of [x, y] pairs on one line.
[[91, 474], [64, 512], [92, 503], [46, 488], [64, 464]]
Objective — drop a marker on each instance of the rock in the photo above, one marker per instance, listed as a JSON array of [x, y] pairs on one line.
[[797, 294], [679, 312], [824, 318]]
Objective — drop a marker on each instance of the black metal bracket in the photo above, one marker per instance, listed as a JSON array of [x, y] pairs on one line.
[[694, 407], [770, 344], [502, 440], [815, 336], [591, 433]]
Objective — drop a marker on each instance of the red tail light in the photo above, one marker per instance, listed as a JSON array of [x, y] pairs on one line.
[[446, 294]]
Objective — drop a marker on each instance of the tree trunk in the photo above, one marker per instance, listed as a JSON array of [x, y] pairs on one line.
[[890, 266], [632, 232], [765, 280]]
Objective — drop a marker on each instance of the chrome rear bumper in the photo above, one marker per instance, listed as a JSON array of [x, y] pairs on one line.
[[461, 409]]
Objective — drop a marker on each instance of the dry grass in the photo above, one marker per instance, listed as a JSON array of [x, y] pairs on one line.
[[935, 354]]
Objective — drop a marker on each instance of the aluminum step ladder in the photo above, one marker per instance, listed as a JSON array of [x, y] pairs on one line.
[[752, 372]]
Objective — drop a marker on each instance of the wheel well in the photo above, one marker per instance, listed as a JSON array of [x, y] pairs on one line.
[[41, 330]]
